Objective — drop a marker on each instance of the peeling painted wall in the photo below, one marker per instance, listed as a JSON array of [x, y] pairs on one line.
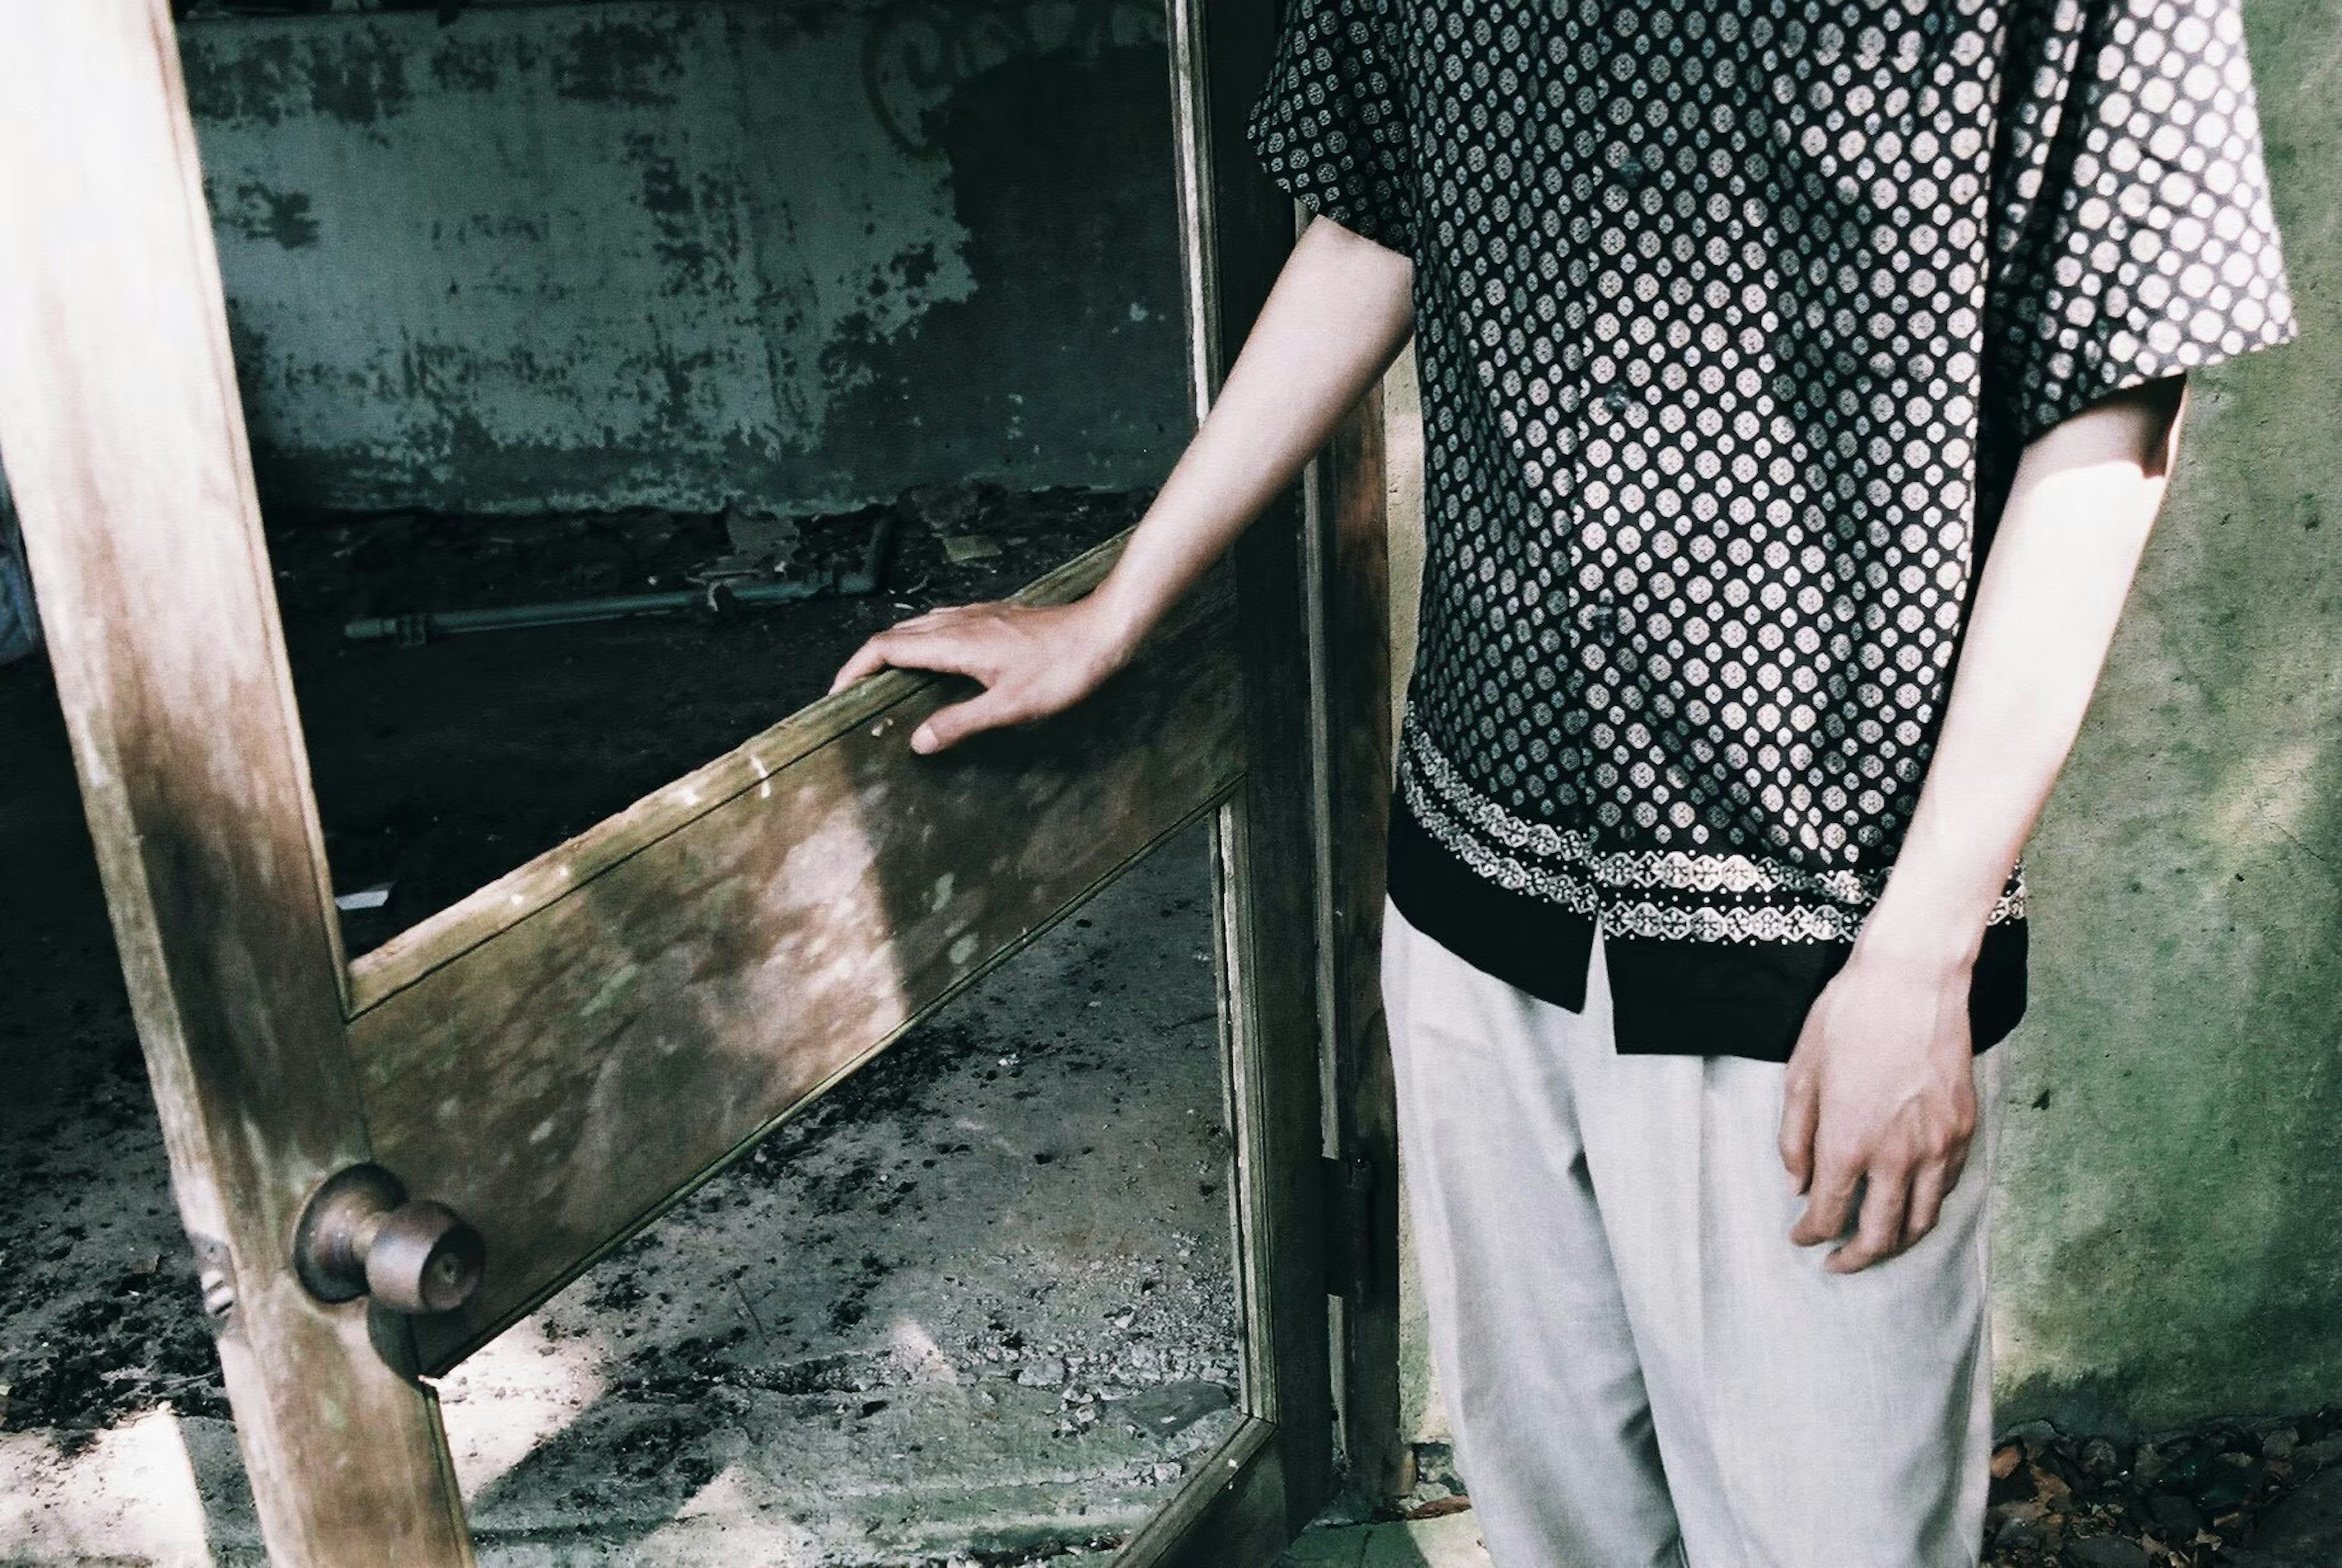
[[2165, 1244], [792, 258]]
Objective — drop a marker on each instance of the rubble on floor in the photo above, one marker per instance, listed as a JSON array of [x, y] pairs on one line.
[[2260, 1493], [979, 1301], [2264, 1492]]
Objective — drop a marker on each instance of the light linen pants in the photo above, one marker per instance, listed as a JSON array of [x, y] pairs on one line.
[[1639, 1367]]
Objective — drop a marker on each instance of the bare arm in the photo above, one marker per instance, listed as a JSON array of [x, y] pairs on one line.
[[1338, 317], [1881, 1089]]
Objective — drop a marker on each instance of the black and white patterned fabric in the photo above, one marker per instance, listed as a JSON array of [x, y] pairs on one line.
[[1732, 318]]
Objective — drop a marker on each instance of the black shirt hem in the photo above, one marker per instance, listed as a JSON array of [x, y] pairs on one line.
[[1668, 998]]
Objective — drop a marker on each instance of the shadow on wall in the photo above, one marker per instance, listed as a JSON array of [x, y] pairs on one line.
[[2167, 1248], [2165, 1237], [2166, 1216]]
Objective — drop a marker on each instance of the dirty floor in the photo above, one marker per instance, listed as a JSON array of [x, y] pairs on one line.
[[978, 1300]]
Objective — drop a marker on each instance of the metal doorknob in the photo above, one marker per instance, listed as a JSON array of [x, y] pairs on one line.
[[362, 1235]]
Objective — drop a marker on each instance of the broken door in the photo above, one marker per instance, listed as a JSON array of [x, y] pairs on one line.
[[561, 1055]]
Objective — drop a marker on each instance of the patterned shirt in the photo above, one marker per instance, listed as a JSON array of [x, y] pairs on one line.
[[1732, 318]]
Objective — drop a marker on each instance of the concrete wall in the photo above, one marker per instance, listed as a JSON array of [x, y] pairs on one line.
[[793, 254], [2167, 1243]]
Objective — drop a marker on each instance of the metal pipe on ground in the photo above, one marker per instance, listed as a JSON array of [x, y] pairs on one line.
[[421, 625]]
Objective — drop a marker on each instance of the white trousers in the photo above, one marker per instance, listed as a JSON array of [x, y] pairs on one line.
[[1640, 1368]]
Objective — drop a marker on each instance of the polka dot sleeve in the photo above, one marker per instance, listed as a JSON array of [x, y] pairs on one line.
[[2135, 237], [1330, 125]]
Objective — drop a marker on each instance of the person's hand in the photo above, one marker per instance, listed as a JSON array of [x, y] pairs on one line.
[[1880, 1098], [1032, 661]]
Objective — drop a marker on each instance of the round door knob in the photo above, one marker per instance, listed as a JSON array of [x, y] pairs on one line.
[[362, 1235]]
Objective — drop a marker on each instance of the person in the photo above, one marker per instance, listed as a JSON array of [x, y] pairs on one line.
[[1800, 381]]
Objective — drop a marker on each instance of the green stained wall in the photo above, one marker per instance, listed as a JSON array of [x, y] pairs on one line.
[[2169, 1237], [789, 254]]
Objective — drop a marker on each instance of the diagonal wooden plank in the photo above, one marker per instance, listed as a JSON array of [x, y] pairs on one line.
[[564, 1079], [511, 898], [125, 444], [1232, 1509]]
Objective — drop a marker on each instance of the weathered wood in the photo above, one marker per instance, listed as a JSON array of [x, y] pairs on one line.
[[1351, 735], [1232, 1509], [1236, 229], [562, 1081], [514, 897], [125, 444]]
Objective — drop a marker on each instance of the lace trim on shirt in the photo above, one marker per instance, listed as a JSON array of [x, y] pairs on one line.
[[1563, 867]]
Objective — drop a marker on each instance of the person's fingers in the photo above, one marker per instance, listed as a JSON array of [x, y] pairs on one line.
[[1953, 1163], [1927, 1189], [1829, 1205], [950, 725], [939, 648], [928, 619], [867, 660], [890, 650], [1800, 1108], [1878, 1233]]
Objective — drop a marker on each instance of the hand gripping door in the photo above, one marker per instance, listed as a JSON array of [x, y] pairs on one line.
[[383, 1164]]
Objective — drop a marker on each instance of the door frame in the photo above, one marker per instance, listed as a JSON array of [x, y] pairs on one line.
[[121, 418]]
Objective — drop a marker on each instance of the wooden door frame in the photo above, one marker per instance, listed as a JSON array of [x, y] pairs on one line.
[[120, 414], [125, 449]]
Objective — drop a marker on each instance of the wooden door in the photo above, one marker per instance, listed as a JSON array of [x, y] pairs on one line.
[[818, 874]]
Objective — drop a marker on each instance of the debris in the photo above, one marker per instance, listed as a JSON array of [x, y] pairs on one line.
[[731, 580], [2306, 1527], [961, 548], [943, 507], [1174, 1407], [373, 897], [2106, 1551], [2221, 1495], [771, 540], [1050, 1374], [1439, 1508], [2178, 1517]]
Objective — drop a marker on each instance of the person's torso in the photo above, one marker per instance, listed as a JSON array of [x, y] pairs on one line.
[[1698, 293]]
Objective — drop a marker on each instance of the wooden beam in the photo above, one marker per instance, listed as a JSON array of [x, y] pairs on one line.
[[480, 916], [563, 1081], [1235, 231], [125, 443], [1351, 736], [1232, 1509]]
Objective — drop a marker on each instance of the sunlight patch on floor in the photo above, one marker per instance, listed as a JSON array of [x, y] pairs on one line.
[[129, 1496]]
